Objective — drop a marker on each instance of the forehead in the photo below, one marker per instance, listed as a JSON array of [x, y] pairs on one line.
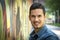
[[37, 11]]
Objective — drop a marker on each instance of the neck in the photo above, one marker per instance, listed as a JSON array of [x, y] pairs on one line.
[[36, 30]]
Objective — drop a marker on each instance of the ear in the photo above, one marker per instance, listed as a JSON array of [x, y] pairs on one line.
[[45, 17]]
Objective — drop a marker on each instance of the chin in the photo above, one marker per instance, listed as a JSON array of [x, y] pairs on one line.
[[36, 27]]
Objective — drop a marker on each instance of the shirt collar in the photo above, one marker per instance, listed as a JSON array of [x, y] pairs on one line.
[[40, 32]]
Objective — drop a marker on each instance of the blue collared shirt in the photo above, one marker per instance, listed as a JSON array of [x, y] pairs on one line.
[[43, 34]]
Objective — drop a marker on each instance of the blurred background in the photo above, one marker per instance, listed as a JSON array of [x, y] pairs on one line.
[[14, 21]]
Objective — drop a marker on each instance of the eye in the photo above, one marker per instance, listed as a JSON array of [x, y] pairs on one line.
[[39, 15], [32, 16]]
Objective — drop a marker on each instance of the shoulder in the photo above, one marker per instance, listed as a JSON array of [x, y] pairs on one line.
[[49, 35], [52, 37]]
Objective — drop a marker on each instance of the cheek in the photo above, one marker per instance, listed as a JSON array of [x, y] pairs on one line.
[[32, 19], [42, 19]]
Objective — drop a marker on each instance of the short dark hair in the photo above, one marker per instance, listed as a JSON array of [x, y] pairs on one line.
[[36, 6]]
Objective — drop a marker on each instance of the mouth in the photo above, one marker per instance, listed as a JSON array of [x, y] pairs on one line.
[[36, 23]]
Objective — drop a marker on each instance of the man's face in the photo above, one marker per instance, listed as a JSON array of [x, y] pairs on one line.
[[37, 18]]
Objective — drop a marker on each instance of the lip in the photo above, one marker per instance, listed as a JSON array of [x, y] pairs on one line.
[[36, 23]]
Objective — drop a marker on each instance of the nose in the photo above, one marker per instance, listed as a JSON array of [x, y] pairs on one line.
[[36, 18]]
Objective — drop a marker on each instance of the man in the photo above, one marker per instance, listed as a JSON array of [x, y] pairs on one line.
[[37, 18]]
